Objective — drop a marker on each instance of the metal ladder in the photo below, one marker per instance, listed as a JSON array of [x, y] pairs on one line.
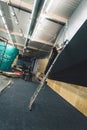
[[32, 99]]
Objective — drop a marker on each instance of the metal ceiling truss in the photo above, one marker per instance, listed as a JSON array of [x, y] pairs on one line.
[[19, 5], [56, 19], [35, 10]]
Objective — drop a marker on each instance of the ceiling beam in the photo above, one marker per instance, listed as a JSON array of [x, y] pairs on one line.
[[13, 33], [37, 49], [41, 41], [25, 36], [19, 4], [32, 48], [29, 47], [55, 18], [16, 43]]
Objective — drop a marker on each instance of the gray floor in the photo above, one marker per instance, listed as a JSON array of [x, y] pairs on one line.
[[50, 111]]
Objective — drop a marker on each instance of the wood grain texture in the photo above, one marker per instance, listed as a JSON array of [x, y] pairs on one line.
[[75, 95]]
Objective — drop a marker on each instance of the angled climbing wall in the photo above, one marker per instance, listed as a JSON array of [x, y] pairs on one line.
[[7, 55]]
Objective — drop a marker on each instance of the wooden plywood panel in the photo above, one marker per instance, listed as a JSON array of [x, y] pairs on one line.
[[42, 65], [75, 95]]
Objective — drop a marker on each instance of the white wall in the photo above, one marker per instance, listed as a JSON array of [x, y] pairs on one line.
[[35, 69], [77, 19]]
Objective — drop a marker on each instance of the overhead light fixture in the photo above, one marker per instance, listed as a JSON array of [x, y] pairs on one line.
[[44, 6], [1, 13], [27, 51], [16, 21], [13, 13], [6, 27], [49, 5], [37, 27], [20, 30]]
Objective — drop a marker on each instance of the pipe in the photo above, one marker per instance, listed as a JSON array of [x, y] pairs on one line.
[[36, 7]]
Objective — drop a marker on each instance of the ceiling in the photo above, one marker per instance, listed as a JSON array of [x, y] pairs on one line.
[[34, 25]]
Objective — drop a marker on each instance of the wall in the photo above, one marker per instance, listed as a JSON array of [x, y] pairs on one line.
[[42, 65], [75, 22], [71, 65], [75, 95], [7, 55]]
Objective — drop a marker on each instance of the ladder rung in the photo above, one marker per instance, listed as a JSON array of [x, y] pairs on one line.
[[44, 79]]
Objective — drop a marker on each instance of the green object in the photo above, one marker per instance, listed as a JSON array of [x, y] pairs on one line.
[[7, 55]]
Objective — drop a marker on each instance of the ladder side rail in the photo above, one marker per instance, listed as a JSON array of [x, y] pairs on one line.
[[44, 79]]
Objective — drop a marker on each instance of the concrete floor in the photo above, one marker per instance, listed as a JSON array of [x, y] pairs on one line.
[[49, 112]]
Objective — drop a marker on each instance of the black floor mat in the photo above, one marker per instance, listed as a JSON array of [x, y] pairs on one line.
[[49, 112]]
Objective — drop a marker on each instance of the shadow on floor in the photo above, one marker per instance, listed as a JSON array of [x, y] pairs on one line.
[[50, 111]]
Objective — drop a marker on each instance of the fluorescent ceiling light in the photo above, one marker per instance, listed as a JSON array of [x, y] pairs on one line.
[[50, 4], [3, 20], [13, 13], [1, 13], [20, 30], [15, 16], [44, 6], [37, 27], [6, 27], [4, 0], [16, 21]]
